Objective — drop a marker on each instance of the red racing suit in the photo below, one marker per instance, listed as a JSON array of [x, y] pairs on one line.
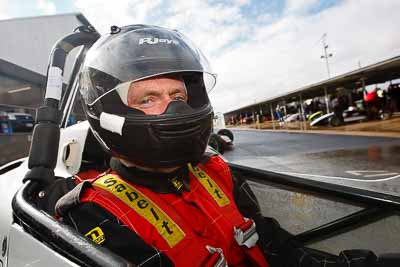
[[181, 219], [200, 227]]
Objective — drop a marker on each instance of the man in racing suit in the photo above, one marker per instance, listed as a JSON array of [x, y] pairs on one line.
[[164, 201]]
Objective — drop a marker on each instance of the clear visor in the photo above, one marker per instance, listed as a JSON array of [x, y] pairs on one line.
[[174, 87], [95, 93]]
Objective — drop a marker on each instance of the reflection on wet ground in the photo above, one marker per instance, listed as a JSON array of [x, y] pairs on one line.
[[341, 162], [363, 162]]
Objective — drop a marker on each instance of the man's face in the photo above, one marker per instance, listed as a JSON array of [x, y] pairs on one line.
[[152, 96]]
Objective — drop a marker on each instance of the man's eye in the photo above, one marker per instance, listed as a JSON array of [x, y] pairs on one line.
[[146, 100], [179, 98]]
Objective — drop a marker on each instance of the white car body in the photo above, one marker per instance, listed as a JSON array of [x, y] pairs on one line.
[[293, 117], [21, 248]]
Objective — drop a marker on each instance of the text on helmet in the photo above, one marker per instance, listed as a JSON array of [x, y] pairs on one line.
[[155, 40]]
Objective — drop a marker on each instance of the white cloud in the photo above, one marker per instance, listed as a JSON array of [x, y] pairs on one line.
[[261, 57], [103, 14], [299, 6], [46, 6], [210, 26], [3, 9], [242, 2], [285, 56]]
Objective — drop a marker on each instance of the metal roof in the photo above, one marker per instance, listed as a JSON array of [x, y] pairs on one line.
[[29, 40], [20, 73], [376, 73], [24, 56], [79, 16]]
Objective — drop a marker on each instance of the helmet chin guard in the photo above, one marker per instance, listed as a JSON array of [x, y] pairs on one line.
[[174, 138], [171, 139]]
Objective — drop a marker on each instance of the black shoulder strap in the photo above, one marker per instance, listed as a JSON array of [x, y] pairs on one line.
[[71, 199], [47, 198]]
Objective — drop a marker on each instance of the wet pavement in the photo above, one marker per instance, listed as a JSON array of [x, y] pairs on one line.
[[365, 162]]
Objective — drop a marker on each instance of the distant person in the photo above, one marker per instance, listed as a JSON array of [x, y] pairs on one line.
[[339, 106], [279, 116], [394, 95], [258, 121]]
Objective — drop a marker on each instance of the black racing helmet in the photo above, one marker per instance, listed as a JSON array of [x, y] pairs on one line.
[[137, 52]]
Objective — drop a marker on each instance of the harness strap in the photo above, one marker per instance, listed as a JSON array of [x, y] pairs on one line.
[[216, 258], [246, 236], [136, 200]]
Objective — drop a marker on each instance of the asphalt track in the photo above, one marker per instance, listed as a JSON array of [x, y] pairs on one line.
[[365, 162]]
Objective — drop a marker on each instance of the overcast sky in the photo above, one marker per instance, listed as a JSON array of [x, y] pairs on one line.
[[258, 48]]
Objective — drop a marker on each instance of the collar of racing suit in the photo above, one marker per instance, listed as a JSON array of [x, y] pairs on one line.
[[164, 183]]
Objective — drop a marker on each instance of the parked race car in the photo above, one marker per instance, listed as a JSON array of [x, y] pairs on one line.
[[293, 117], [32, 236], [314, 116], [351, 114], [221, 141]]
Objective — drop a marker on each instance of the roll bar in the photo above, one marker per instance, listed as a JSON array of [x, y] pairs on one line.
[[62, 238], [43, 158], [46, 134]]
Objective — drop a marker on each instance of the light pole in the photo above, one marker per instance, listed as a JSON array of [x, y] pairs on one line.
[[326, 54]]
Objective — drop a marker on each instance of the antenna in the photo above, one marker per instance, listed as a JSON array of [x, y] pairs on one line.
[[326, 54]]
